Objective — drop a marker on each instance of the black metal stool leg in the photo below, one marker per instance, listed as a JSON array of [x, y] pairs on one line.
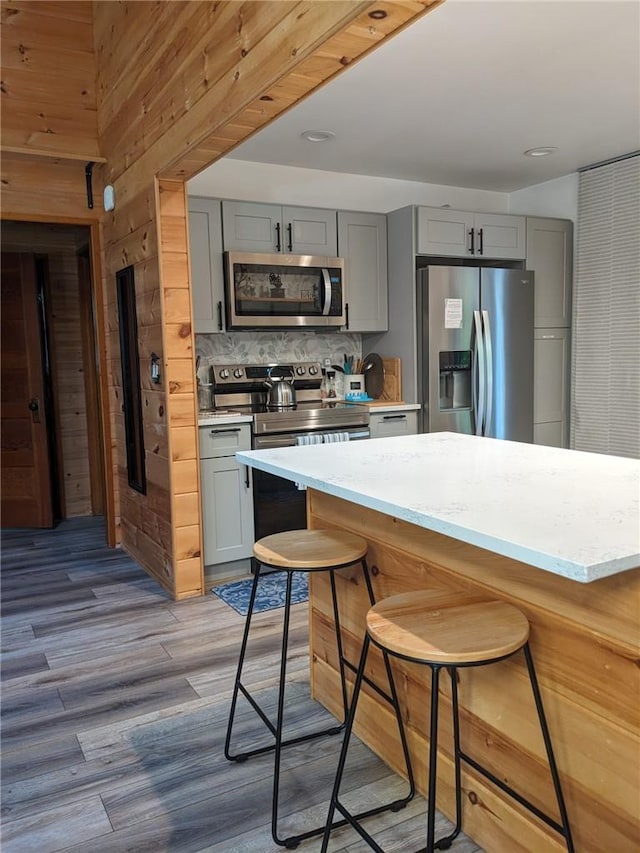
[[400, 804], [395, 805], [433, 759], [565, 829], [445, 843], [237, 686], [341, 659], [335, 803], [279, 720]]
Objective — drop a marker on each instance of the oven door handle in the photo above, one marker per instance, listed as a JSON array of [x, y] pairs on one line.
[[327, 292], [289, 439]]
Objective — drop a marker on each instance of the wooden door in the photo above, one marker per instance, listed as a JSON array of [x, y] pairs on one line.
[[25, 481]]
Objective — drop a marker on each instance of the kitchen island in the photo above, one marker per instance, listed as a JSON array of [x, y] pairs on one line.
[[553, 531]]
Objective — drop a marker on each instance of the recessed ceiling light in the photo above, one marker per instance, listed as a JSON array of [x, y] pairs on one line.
[[540, 152], [317, 135]]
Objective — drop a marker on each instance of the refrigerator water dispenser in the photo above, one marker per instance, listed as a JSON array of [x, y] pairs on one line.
[[455, 380]]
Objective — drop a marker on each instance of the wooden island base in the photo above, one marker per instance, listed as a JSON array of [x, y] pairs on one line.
[[584, 638]]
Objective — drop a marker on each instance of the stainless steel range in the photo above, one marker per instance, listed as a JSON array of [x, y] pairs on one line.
[[278, 504]]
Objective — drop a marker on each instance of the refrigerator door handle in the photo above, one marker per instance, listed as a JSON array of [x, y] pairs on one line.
[[479, 379], [489, 379]]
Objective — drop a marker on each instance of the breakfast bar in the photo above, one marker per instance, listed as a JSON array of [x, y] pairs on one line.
[[554, 532]]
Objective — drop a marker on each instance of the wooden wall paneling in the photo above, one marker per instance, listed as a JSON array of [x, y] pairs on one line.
[[179, 381], [34, 23], [105, 410], [46, 190], [584, 640], [68, 10], [48, 70]]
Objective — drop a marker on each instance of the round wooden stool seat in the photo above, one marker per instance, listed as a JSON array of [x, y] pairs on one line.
[[442, 627], [309, 550]]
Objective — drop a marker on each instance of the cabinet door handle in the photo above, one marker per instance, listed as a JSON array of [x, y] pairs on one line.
[[278, 244], [246, 476], [471, 242], [346, 315], [223, 431], [290, 235], [394, 417], [220, 316], [480, 241]]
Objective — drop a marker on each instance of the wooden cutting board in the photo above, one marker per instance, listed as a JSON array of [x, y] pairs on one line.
[[392, 388]]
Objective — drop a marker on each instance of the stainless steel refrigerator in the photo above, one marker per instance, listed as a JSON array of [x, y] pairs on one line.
[[475, 359]]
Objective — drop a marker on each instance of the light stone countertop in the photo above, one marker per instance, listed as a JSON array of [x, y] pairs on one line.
[[219, 420], [393, 407], [571, 513]]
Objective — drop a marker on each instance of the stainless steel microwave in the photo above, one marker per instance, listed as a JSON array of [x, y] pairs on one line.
[[265, 291]]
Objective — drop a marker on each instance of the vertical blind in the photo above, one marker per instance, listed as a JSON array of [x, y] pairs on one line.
[[605, 374]]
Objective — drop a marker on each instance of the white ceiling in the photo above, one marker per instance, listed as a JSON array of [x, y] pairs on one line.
[[458, 96]]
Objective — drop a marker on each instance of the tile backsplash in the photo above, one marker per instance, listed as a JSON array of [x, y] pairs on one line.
[[273, 347]]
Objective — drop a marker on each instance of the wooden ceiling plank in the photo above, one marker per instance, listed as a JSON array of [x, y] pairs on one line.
[[268, 61], [293, 90], [194, 69], [237, 28]]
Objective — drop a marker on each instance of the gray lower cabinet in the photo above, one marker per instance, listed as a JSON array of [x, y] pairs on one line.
[[257, 227], [226, 494], [205, 252], [362, 242], [463, 234], [549, 255], [551, 387], [386, 424]]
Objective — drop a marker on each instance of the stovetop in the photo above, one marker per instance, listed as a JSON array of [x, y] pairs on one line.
[[242, 389]]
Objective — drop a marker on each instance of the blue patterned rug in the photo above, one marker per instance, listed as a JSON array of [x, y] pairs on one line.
[[271, 592]]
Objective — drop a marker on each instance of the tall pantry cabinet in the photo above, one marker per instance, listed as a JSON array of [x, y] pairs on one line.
[[549, 255]]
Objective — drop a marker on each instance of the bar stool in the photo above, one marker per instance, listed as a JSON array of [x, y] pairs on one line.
[[307, 551], [441, 629]]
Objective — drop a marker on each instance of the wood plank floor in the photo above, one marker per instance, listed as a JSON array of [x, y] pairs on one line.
[[114, 707]]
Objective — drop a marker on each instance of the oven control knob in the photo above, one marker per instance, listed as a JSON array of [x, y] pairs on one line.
[[224, 374], [238, 373], [300, 370], [313, 370]]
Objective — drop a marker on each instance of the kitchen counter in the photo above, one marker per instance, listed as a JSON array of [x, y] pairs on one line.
[[219, 420], [521, 524], [380, 406], [574, 514]]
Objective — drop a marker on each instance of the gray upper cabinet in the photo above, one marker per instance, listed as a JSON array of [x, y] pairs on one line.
[[362, 242], [549, 255], [257, 227], [462, 234], [207, 282]]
